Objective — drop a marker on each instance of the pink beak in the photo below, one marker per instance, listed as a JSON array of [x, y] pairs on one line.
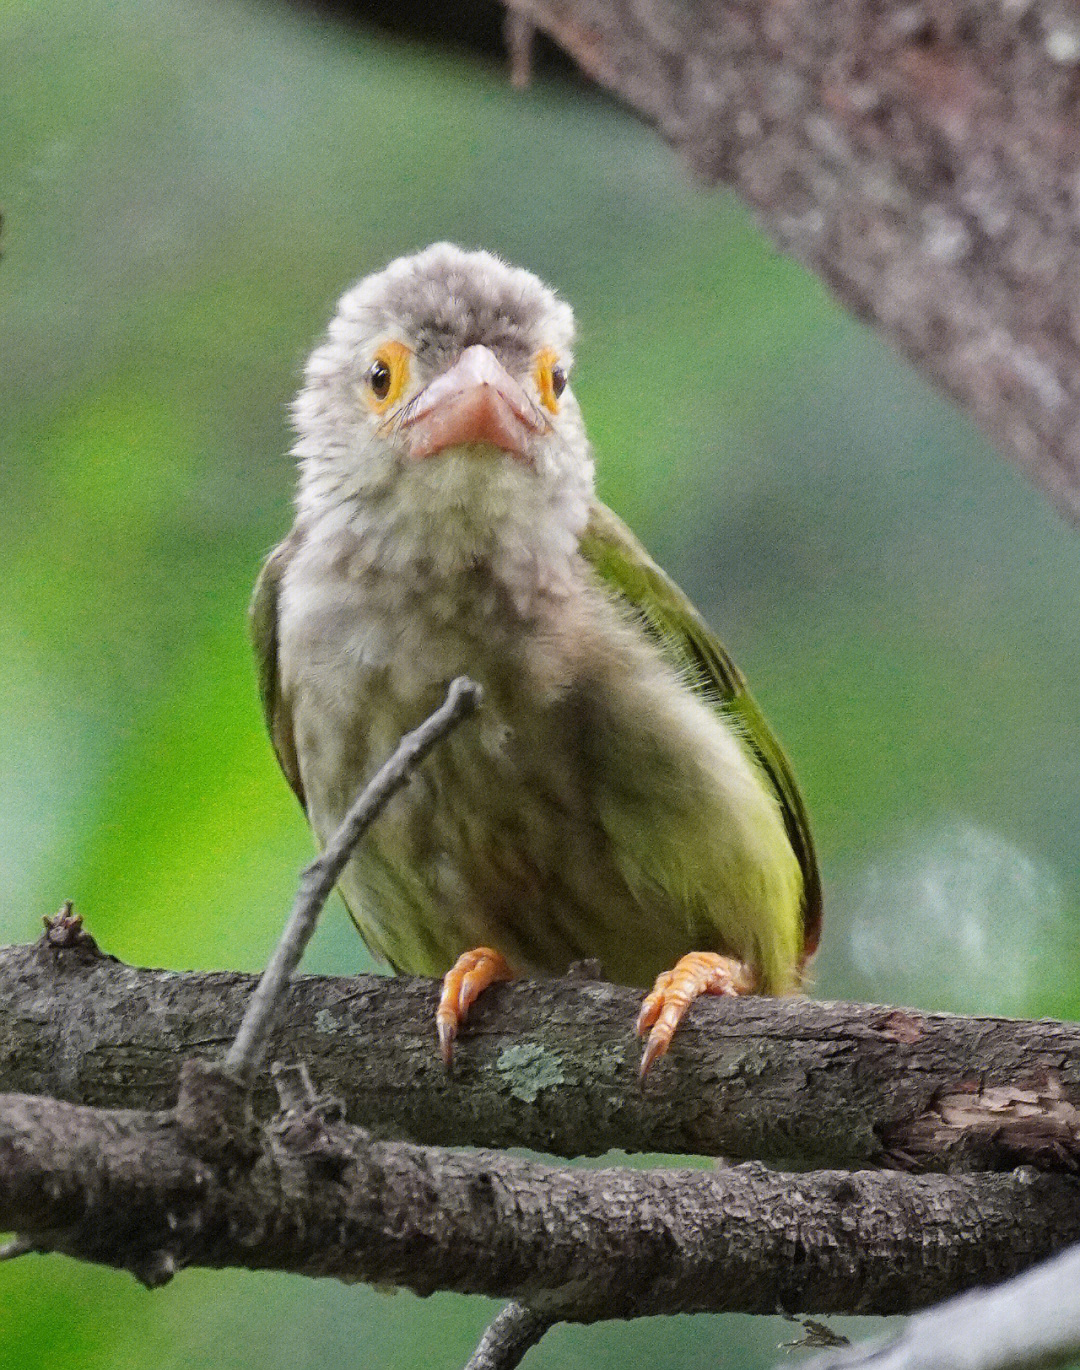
[[476, 401]]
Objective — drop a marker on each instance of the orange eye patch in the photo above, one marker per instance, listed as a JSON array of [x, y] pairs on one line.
[[550, 378], [387, 376]]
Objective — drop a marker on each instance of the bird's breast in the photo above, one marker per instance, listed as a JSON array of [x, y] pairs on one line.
[[366, 657]]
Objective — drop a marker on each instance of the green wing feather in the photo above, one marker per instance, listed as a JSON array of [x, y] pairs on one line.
[[686, 639], [263, 623]]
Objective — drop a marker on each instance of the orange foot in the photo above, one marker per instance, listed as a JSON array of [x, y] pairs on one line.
[[702, 972], [469, 976]]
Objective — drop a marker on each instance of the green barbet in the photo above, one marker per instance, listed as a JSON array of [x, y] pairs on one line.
[[619, 796]]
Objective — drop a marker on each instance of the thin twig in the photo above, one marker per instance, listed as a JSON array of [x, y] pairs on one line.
[[509, 1336], [293, 1084], [520, 32], [1030, 1321], [320, 877]]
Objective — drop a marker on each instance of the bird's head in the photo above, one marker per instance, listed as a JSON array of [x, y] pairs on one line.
[[439, 408]]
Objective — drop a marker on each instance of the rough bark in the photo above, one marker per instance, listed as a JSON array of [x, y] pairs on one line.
[[310, 1194], [922, 156], [512, 1334], [552, 1066]]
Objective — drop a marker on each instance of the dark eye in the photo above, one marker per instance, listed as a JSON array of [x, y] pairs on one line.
[[558, 380], [378, 377]]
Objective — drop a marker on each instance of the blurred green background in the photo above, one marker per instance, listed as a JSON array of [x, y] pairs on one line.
[[187, 188]]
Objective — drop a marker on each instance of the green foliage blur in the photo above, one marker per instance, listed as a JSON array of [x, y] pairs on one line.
[[187, 187]]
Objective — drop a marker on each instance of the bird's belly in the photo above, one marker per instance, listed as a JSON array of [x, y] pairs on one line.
[[496, 841]]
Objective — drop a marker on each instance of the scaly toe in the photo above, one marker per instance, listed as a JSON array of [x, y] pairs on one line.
[[462, 985], [701, 972], [654, 1002]]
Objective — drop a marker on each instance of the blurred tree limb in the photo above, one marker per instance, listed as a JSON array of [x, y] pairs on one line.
[[922, 156], [553, 1065], [1030, 1323]]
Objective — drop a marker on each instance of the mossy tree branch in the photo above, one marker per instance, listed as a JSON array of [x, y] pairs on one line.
[[552, 1065]]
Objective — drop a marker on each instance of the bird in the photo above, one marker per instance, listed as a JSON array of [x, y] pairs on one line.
[[619, 797]]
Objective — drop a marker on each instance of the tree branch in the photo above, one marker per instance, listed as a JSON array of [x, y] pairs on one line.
[[552, 1065], [512, 1333], [307, 1193], [923, 158]]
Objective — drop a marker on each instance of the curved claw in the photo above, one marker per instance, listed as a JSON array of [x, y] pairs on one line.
[[701, 972], [462, 985], [446, 1028], [652, 1003]]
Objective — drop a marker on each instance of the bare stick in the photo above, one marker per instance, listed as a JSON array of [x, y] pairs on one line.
[[293, 1084], [1031, 1321], [520, 37], [320, 877], [509, 1336]]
